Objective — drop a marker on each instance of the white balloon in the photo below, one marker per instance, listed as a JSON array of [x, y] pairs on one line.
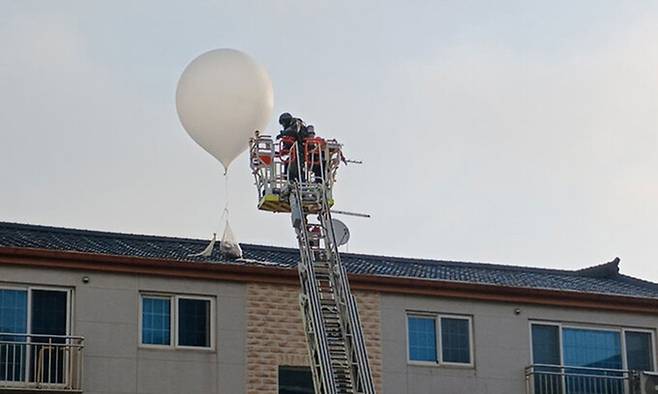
[[223, 96]]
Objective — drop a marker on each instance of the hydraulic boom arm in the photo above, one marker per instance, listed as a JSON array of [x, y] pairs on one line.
[[335, 341]]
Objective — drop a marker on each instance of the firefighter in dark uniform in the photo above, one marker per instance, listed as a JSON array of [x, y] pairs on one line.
[[293, 133]]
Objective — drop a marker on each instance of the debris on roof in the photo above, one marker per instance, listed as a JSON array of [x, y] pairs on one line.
[[229, 247], [207, 252]]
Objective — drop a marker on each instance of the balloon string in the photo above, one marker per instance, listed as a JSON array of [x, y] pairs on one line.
[[226, 198], [225, 212]]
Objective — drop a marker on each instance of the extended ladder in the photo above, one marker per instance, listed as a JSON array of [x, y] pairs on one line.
[[336, 345], [331, 320]]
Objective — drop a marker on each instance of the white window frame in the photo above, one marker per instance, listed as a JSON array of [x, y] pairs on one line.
[[28, 289], [471, 362], [211, 321], [559, 339], [624, 330], [173, 322], [620, 330], [424, 315], [438, 339], [168, 297]]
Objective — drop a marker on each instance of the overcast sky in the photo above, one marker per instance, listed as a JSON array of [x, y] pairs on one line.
[[516, 132]]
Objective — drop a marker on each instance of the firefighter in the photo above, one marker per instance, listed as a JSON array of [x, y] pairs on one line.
[[293, 133], [317, 169]]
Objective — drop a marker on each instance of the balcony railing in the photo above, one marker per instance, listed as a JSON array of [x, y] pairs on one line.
[[31, 362], [552, 379]]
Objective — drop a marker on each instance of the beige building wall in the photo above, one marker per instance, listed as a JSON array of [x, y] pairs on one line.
[[106, 313], [275, 335], [501, 343], [258, 328]]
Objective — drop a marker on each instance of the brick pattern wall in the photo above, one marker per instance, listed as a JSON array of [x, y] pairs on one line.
[[275, 334]]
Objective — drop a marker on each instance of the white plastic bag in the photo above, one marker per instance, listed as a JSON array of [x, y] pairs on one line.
[[207, 252], [229, 247]]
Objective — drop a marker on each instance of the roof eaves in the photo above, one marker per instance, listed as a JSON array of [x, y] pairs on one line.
[[287, 275]]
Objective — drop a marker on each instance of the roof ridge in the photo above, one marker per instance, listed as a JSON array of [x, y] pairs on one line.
[[475, 264], [603, 270], [70, 230]]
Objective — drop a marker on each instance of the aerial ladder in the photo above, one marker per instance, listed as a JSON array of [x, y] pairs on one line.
[[298, 178]]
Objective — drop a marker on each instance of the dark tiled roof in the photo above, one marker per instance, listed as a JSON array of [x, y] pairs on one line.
[[601, 279]]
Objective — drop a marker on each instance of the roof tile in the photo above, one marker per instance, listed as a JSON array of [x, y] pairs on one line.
[[598, 280]]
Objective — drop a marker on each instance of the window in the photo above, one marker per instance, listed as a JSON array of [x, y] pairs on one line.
[[455, 340], [193, 322], [13, 320], [192, 318], [546, 344], [592, 359], [439, 339], [546, 351], [156, 321], [592, 347], [13, 311], [639, 350], [33, 324], [295, 380], [422, 338]]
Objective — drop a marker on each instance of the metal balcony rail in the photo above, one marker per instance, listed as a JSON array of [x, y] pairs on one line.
[[559, 379], [40, 362]]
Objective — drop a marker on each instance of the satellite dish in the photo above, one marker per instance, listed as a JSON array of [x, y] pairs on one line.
[[341, 231], [222, 97]]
